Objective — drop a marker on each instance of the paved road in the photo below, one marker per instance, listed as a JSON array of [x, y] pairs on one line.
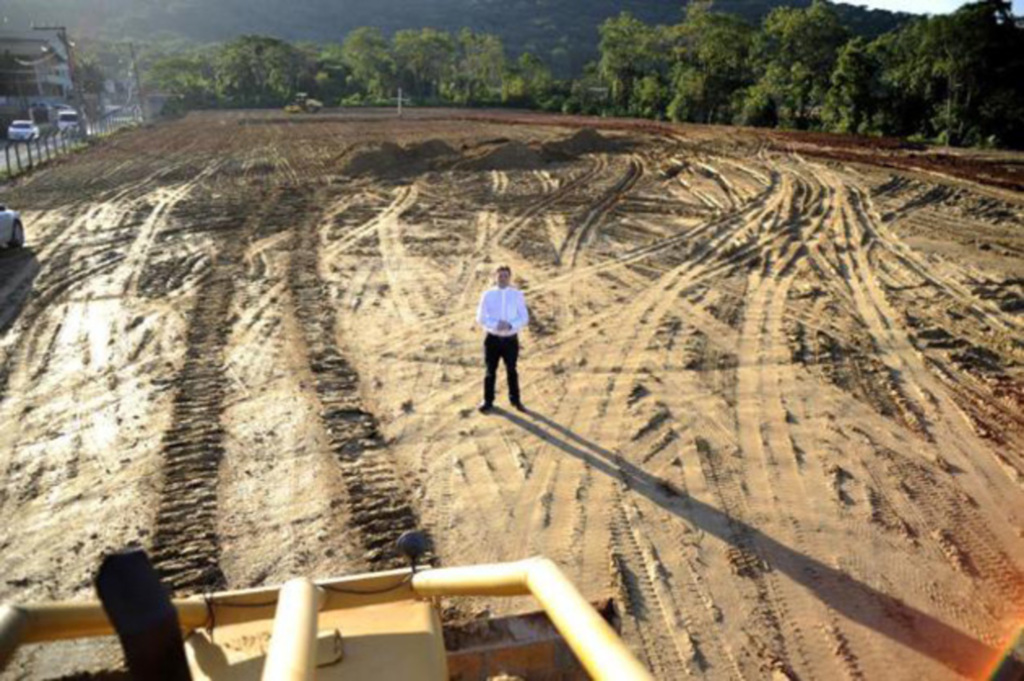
[[18, 155]]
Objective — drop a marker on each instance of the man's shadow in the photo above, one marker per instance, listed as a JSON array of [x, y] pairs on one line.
[[855, 600]]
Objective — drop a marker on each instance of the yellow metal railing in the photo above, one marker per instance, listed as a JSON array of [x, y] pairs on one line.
[[292, 653], [295, 605], [596, 645]]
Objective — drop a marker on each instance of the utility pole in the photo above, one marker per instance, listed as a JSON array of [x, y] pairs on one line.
[[76, 86], [140, 93], [400, 102]]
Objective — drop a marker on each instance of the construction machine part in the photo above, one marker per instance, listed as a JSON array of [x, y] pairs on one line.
[[597, 646], [292, 653], [142, 614], [303, 103], [13, 625], [372, 626], [525, 645]]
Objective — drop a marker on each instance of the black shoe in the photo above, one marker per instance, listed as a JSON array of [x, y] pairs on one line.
[[485, 408], [519, 406]]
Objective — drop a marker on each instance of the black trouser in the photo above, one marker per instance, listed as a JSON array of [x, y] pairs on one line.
[[504, 348]]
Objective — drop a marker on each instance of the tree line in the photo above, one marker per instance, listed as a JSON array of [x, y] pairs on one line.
[[562, 32], [955, 78], [430, 66]]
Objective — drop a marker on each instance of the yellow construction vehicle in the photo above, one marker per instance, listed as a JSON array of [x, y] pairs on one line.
[[377, 626], [304, 104]]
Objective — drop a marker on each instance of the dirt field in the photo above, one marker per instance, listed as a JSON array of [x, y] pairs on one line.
[[776, 401]]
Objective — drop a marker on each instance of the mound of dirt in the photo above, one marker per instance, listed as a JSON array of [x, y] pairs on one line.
[[585, 141], [387, 159], [433, 148], [510, 156], [390, 159]]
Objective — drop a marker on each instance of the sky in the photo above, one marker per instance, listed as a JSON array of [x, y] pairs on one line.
[[925, 6]]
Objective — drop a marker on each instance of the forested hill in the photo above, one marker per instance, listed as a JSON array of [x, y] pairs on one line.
[[562, 32]]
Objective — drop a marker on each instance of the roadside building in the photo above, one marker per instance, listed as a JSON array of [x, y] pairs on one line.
[[35, 76]]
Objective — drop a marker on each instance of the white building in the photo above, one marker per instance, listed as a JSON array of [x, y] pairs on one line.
[[34, 69]]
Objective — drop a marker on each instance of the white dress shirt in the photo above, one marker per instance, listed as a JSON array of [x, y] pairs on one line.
[[502, 305]]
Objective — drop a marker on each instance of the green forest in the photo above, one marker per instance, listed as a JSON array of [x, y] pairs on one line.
[[954, 79], [564, 33]]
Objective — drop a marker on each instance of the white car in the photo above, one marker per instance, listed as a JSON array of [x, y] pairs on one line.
[[67, 120], [22, 130], [12, 233]]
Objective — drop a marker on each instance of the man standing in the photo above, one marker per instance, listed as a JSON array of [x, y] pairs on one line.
[[502, 313]]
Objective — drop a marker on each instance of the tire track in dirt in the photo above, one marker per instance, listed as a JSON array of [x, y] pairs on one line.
[[509, 230], [642, 316], [408, 277], [77, 254], [59, 273], [402, 201], [186, 547], [380, 504], [498, 234], [499, 182], [279, 479], [645, 583], [766, 442], [890, 338], [669, 475], [866, 304], [107, 211], [582, 232], [707, 170], [873, 229], [965, 347], [668, 647], [774, 267], [745, 559], [139, 250], [851, 251], [564, 481], [488, 233], [942, 415], [703, 243], [707, 253], [949, 523]]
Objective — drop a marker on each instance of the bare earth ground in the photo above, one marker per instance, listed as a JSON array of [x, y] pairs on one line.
[[775, 399]]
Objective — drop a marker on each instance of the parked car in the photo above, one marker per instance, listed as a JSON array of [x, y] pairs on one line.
[[67, 121], [12, 233], [22, 130]]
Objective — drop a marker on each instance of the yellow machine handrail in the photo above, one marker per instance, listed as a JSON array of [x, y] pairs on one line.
[[596, 645], [598, 648]]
